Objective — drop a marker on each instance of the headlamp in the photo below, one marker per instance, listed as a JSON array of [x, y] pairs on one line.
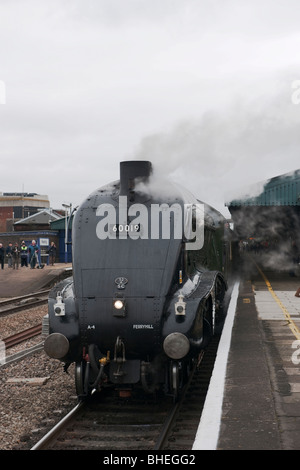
[[118, 304]]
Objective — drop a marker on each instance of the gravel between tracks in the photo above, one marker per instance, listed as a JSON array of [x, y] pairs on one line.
[[15, 322], [28, 411]]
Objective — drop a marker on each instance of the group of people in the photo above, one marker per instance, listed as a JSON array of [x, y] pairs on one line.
[[27, 255]]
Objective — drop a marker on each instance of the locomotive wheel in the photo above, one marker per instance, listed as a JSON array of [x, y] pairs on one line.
[[187, 368], [207, 315], [174, 379], [79, 378], [220, 294], [207, 324]]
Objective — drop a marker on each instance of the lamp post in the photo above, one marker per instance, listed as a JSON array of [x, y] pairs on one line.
[[67, 207]]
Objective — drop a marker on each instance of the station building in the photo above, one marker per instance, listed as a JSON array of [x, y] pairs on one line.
[[270, 220], [16, 206], [63, 228], [27, 217]]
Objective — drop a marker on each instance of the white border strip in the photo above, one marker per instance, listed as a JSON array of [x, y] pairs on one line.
[[208, 430]]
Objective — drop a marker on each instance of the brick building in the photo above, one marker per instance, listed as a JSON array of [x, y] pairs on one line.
[[27, 216], [16, 206]]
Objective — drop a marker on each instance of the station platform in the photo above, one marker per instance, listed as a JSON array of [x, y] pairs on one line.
[[17, 282], [259, 399]]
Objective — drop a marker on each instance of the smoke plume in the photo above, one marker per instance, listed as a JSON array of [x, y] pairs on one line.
[[221, 153]]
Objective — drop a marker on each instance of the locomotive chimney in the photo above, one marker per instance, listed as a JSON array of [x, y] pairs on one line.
[[132, 172]]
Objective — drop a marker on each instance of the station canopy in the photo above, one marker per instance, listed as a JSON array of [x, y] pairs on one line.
[[42, 216]]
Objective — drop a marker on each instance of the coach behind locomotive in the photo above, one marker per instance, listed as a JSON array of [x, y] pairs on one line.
[[149, 277]]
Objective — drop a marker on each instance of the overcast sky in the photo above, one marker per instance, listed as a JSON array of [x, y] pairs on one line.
[[202, 88]]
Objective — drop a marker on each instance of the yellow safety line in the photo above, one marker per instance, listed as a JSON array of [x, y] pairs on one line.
[[293, 327]]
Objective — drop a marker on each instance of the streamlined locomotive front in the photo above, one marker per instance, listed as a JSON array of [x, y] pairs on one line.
[[121, 279], [138, 309]]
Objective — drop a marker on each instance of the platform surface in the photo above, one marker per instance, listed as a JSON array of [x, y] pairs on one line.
[[16, 282], [261, 403]]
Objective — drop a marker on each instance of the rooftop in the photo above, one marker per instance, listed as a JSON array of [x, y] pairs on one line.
[[43, 216], [283, 190]]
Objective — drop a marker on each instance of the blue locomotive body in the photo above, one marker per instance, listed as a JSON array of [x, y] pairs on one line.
[[149, 277]]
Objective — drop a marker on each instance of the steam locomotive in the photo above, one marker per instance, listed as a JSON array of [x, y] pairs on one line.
[[149, 277]]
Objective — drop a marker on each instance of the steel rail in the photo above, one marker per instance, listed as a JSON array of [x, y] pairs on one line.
[[12, 308], [22, 336], [4, 361], [173, 412], [23, 297], [44, 442]]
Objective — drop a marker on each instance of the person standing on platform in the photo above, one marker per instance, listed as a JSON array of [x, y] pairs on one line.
[[9, 255], [2, 255], [24, 252], [15, 256], [33, 253], [52, 253]]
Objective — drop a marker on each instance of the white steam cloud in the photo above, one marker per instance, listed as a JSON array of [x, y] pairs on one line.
[[222, 153]]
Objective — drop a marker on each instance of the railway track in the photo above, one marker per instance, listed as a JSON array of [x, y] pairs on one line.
[[108, 422], [15, 305], [182, 430], [23, 302], [17, 338]]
